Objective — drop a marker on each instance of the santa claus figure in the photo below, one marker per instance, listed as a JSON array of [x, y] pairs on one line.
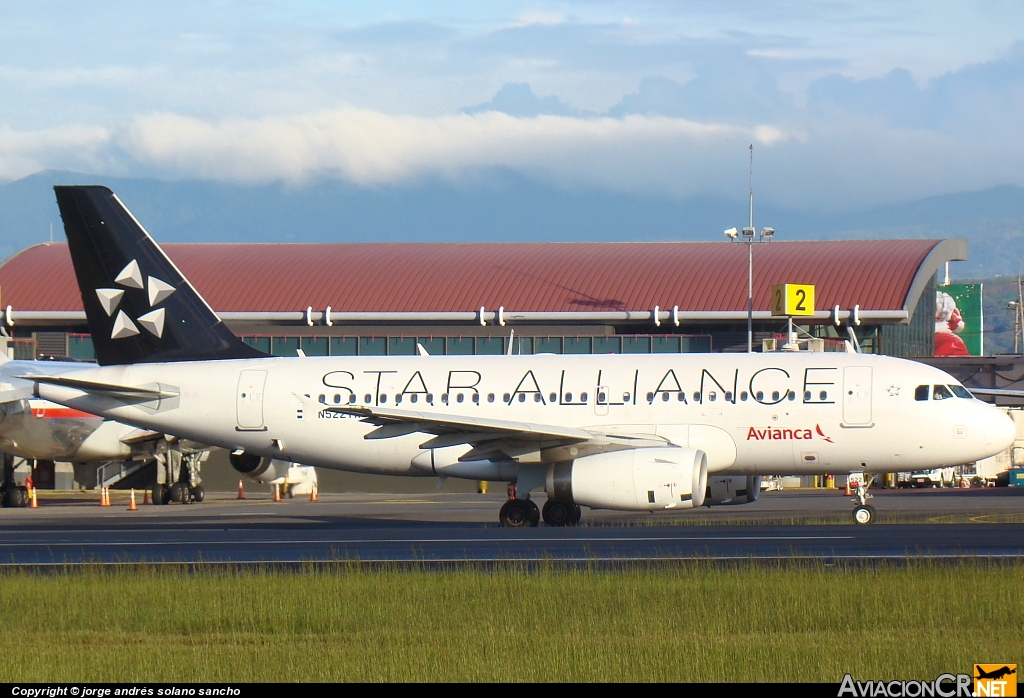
[[948, 323]]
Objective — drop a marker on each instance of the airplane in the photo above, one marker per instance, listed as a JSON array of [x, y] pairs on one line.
[[631, 432], [36, 429]]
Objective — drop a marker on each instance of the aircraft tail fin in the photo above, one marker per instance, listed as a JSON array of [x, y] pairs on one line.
[[140, 308]]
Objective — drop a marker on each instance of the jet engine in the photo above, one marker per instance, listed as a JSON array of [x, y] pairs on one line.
[[733, 489], [642, 479], [258, 468]]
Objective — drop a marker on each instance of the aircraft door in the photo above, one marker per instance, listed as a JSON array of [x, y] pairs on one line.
[[857, 396], [249, 400]]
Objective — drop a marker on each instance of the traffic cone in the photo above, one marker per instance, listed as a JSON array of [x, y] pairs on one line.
[[313, 495], [145, 497], [277, 492], [848, 490], [132, 506], [35, 500], [241, 490], [104, 497]]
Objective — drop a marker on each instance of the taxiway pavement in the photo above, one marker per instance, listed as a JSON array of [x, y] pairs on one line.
[[459, 528]]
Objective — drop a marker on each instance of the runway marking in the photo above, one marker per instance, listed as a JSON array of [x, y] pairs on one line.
[[364, 541]]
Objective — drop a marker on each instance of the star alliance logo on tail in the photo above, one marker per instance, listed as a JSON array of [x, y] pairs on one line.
[[110, 298]]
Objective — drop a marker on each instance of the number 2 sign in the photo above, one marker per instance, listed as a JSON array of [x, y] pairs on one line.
[[792, 300]]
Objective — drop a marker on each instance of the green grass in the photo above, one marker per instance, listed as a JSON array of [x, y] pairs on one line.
[[695, 622]]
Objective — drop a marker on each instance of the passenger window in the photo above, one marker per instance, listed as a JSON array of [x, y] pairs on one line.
[[506, 398], [323, 399], [490, 397], [476, 398], [554, 397], [459, 398], [430, 398], [625, 397], [941, 392], [398, 399], [743, 395], [696, 397], [583, 397], [664, 397], [650, 397], [759, 395], [522, 397], [728, 396], [792, 395], [537, 397], [681, 397], [444, 398], [413, 398], [961, 391], [383, 398], [368, 399], [807, 396], [568, 397], [775, 395], [921, 393], [823, 395], [712, 396], [602, 397]]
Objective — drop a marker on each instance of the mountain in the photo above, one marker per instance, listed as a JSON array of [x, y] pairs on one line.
[[499, 205]]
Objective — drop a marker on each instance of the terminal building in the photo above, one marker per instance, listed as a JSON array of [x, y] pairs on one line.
[[380, 299]]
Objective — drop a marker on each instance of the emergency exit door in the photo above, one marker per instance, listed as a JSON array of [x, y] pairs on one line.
[[857, 396], [249, 400]]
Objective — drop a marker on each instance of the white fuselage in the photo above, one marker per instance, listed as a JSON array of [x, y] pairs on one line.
[[774, 413]]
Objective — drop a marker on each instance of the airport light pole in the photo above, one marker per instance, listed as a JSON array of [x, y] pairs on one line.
[[747, 237]]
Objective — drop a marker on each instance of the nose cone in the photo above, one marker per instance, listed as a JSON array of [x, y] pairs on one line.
[[1000, 431]]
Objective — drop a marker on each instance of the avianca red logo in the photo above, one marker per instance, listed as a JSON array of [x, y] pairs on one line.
[[770, 434]]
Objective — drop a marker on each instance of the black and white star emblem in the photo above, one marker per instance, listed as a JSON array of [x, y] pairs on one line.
[[110, 299]]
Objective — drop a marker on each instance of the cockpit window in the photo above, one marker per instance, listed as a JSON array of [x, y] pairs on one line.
[[921, 392], [961, 391], [941, 392]]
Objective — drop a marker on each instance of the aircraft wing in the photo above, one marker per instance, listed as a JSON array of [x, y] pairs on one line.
[[394, 422], [997, 392], [489, 438]]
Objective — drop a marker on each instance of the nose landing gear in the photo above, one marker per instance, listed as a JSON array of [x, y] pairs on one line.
[[863, 513]]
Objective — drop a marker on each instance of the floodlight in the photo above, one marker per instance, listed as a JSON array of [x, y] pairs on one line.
[[731, 233], [767, 233], [748, 233]]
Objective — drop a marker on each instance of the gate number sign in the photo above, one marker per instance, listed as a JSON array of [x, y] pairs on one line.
[[792, 300]]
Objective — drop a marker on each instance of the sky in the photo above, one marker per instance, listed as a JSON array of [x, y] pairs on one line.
[[847, 104]]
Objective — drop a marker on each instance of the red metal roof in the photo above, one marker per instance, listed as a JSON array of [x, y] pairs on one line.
[[538, 277]]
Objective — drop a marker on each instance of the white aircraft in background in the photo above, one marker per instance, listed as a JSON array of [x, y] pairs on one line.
[[631, 432], [36, 429]]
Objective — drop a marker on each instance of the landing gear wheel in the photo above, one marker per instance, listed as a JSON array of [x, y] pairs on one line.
[[577, 514], [515, 513], [198, 493], [558, 513], [179, 493], [863, 514], [159, 494], [15, 497], [534, 512], [23, 498]]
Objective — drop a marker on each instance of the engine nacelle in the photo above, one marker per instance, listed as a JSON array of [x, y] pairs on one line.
[[642, 479], [733, 489], [259, 468]]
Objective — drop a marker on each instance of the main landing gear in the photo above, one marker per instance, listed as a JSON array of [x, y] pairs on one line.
[[523, 513], [11, 493], [178, 476], [863, 513]]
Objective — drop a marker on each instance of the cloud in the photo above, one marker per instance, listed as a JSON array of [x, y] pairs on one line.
[[68, 147], [518, 99], [370, 148]]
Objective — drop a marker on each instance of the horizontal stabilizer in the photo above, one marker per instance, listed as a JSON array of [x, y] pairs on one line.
[[111, 389]]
